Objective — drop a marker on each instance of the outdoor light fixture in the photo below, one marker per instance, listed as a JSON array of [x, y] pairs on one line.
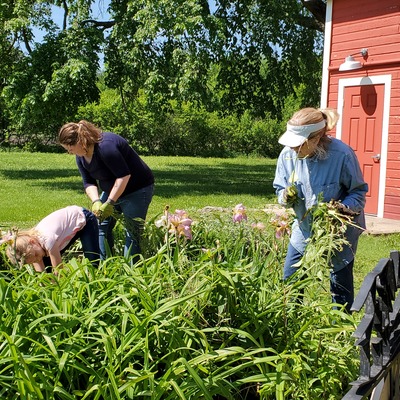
[[350, 63]]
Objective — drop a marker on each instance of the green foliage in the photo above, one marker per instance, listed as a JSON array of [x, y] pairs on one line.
[[235, 62], [45, 89], [239, 56], [186, 130], [108, 112], [205, 317], [209, 318]]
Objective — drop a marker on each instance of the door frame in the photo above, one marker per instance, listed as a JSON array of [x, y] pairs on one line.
[[386, 80]]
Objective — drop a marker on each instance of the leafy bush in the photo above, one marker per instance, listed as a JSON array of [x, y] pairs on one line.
[[203, 318], [185, 131]]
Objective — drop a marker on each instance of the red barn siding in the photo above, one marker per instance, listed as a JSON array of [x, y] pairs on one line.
[[374, 25]]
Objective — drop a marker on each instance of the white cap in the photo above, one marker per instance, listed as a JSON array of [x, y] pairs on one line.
[[296, 135]]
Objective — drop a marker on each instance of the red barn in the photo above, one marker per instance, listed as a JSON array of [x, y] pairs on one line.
[[366, 92]]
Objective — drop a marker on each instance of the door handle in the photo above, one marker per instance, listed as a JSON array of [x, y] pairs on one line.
[[376, 157]]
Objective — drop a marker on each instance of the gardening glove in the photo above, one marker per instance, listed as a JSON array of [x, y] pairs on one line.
[[106, 210], [343, 209], [290, 195], [96, 205]]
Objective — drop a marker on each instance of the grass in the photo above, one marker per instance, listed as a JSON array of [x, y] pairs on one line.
[[35, 184]]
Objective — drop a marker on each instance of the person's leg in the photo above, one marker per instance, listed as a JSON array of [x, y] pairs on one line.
[[292, 257], [134, 208], [342, 286], [89, 237], [106, 237]]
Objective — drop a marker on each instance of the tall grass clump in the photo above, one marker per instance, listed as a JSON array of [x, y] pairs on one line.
[[203, 315]]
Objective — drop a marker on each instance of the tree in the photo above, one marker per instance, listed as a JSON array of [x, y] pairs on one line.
[[46, 84], [229, 56], [245, 54]]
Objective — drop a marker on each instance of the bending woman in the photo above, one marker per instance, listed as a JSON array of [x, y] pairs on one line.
[[107, 162]]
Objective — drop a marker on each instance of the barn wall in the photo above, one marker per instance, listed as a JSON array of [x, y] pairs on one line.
[[375, 25]]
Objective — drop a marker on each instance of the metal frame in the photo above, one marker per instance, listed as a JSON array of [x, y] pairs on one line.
[[378, 334]]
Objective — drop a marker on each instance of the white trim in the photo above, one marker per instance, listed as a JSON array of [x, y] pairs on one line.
[[371, 80], [326, 54]]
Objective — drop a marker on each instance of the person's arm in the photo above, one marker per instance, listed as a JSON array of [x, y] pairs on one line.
[[92, 192], [55, 258], [39, 266], [118, 188], [280, 182], [357, 187]]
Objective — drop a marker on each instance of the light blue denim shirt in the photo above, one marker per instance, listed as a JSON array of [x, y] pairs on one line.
[[336, 177]]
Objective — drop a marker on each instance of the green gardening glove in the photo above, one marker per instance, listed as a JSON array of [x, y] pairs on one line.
[[290, 196], [105, 210], [96, 205]]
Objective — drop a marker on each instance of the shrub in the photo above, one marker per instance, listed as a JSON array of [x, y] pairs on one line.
[[185, 131]]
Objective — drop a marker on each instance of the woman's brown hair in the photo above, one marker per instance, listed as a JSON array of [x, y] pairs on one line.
[[83, 132]]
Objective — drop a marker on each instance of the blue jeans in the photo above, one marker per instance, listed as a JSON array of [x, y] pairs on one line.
[[341, 282], [133, 207], [88, 236]]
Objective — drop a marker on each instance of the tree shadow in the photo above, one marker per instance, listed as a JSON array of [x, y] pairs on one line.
[[171, 181], [225, 178], [49, 178]]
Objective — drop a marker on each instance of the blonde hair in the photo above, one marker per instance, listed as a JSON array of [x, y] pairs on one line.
[[310, 115], [83, 132], [19, 247]]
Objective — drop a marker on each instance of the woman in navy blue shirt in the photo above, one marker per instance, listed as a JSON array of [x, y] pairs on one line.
[[107, 162]]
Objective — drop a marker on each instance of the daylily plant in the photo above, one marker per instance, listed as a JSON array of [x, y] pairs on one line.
[[239, 213], [259, 226], [282, 225], [178, 223], [8, 237]]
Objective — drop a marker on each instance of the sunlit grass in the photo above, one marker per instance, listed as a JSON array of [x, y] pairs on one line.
[[35, 184]]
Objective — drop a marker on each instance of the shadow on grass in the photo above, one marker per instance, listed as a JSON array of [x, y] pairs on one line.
[[171, 181], [224, 178], [49, 179]]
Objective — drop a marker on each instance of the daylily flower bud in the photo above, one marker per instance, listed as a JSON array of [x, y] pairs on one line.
[[239, 213]]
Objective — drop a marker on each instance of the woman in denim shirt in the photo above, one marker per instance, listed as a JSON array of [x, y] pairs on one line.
[[319, 164]]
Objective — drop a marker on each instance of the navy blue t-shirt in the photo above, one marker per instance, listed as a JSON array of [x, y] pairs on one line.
[[114, 158]]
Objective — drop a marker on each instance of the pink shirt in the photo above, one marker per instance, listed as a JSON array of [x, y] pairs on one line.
[[60, 227]]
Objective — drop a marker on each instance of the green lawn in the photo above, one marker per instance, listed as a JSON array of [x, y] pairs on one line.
[[35, 184]]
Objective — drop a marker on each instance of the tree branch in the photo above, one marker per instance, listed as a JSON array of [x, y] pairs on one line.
[[318, 9], [66, 11], [99, 24], [26, 41]]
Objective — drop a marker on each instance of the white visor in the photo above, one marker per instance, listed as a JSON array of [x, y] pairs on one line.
[[296, 135]]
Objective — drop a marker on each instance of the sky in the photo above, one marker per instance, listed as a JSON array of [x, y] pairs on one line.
[[99, 12]]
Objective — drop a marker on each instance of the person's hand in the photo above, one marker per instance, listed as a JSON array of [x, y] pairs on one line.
[[96, 205], [343, 209], [290, 195], [105, 210]]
